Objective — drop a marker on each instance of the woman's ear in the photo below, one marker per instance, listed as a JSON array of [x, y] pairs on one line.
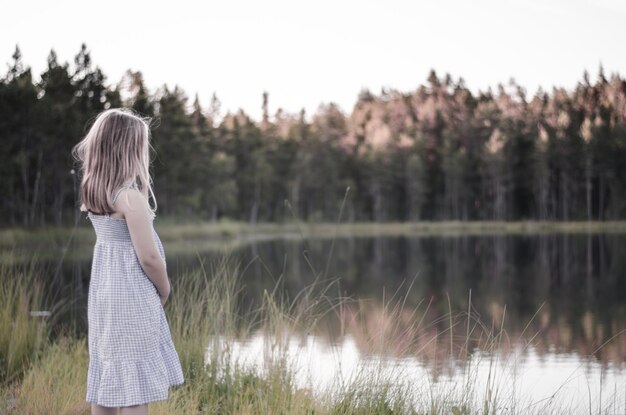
[[83, 208]]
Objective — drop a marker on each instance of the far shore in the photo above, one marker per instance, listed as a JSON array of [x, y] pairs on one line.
[[187, 235]]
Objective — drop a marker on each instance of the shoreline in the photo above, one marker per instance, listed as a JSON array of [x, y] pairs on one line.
[[174, 228], [189, 236]]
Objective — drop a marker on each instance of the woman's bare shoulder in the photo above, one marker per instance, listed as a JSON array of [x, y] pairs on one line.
[[133, 202]]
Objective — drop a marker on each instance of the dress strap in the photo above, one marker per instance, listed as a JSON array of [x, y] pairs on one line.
[[126, 185]]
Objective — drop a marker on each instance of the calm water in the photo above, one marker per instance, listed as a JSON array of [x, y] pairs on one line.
[[561, 300]]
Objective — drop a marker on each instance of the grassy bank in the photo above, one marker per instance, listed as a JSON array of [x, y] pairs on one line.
[[205, 316], [226, 235]]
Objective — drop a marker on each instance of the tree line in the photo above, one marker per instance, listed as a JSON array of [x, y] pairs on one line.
[[439, 152]]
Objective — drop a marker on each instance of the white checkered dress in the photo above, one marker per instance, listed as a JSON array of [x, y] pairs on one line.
[[132, 359]]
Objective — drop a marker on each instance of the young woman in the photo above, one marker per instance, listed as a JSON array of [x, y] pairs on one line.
[[132, 360]]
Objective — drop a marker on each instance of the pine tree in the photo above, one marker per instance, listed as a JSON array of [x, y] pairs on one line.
[[61, 126]]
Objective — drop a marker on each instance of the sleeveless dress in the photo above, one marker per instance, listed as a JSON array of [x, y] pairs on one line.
[[132, 359]]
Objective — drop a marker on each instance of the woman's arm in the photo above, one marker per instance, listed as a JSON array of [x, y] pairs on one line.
[[137, 214]]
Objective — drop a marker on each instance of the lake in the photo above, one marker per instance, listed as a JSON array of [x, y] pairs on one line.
[[547, 311]]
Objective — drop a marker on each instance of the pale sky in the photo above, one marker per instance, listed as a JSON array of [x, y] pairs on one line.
[[308, 52]]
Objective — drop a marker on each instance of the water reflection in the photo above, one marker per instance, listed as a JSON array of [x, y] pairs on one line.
[[562, 293], [524, 380]]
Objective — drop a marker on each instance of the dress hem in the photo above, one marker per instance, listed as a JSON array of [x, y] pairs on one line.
[[143, 402]]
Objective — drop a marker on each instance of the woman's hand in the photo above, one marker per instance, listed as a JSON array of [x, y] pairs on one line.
[[165, 295]]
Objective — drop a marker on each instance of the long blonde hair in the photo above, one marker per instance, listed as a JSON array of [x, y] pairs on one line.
[[115, 150]]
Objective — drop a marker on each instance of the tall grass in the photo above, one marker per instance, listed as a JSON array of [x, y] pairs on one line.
[[206, 318], [56, 384], [24, 330]]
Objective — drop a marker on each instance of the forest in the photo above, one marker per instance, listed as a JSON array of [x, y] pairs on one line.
[[439, 152]]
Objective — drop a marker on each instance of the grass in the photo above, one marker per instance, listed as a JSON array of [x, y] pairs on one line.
[[206, 318], [23, 337], [55, 384]]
